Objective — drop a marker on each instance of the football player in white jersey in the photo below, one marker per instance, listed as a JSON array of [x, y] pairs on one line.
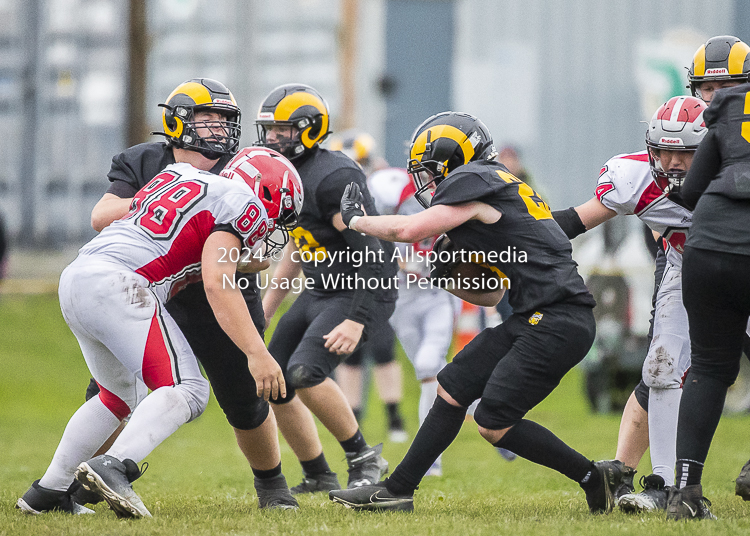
[[646, 184], [184, 225]]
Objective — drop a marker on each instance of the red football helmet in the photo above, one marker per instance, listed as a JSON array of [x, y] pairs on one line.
[[676, 126], [276, 182]]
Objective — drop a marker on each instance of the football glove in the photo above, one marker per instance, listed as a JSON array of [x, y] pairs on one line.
[[442, 268], [352, 205]]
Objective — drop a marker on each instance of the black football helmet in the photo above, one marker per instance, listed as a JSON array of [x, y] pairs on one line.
[[178, 118], [302, 111], [441, 144], [721, 58]]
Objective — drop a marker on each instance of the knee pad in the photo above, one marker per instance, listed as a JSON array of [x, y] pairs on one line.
[[666, 362], [247, 416], [301, 376], [196, 392]]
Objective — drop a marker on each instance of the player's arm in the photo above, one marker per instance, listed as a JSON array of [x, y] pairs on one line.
[[578, 220], [108, 209], [288, 268], [231, 312], [430, 222]]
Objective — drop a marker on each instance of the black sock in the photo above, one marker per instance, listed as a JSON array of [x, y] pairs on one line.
[[395, 422], [354, 444], [357, 414], [700, 410], [537, 444], [316, 465], [688, 473], [270, 473], [439, 429]]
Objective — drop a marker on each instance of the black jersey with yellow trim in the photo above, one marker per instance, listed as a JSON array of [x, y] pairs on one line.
[[525, 245], [325, 174]]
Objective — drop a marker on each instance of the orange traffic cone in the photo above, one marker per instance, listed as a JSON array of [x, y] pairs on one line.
[[467, 326]]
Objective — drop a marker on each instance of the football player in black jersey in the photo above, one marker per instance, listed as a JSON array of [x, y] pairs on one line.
[[484, 210], [194, 106], [715, 289], [349, 289]]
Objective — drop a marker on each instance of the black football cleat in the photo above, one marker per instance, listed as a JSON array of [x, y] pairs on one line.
[[688, 503], [274, 494], [111, 478], [373, 497], [742, 484], [314, 483], [601, 499], [653, 497], [39, 500], [626, 484], [366, 467]]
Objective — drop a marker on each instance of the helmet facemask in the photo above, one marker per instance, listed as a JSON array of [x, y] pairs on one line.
[[669, 181], [426, 176], [288, 140], [223, 136]]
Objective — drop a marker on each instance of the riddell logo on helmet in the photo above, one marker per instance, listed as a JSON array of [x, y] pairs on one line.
[[265, 115], [717, 71], [223, 101], [670, 141]]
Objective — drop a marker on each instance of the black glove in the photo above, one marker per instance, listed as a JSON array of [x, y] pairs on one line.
[[442, 268], [352, 204]]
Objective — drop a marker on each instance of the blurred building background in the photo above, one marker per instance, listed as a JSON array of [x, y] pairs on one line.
[[567, 83]]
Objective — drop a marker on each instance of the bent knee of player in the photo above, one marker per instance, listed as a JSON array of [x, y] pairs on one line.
[[442, 393], [196, 393], [302, 376], [492, 436], [666, 362]]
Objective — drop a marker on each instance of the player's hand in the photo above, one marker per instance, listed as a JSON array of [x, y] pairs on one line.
[[352, 204], [343, 339], [269, 380], [444, 262]]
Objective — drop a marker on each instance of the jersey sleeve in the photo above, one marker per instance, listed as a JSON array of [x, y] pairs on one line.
[[332, 188], [463, 187], [244, 216], [612, 191]]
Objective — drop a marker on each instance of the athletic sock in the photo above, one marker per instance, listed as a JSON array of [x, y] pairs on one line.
[[87, 430], [395, 422], [537, 444], [156, 418], [268, 473], [427, 399], [437, 432], [663, 411], [354, 444], [316, 465], [700, 410], [689, 473]]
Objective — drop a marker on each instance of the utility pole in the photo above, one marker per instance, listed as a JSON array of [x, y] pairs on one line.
[[347, 116], [138, 45]]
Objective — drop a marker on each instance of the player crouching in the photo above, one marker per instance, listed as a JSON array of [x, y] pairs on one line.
[[179, 229]]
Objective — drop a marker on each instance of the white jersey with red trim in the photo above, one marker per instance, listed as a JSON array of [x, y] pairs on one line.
[[393, 192], [626, 186], [162, 236]]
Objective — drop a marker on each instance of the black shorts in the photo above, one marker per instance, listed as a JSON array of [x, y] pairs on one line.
[[298, 345], [379, 348], [514, 366]]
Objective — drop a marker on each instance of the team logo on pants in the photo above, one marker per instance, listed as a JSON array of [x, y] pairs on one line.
[[535, 318]]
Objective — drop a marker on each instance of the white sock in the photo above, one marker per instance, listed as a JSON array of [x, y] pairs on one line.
[[156, 418], [663, 411], [87, 430], [427, 399]]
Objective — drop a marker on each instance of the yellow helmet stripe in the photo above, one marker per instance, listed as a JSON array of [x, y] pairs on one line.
[[737, 56], [198, 92], [443, 131], [293, 102], [699, 62]]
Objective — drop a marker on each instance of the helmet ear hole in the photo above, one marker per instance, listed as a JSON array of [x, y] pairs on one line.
[[267, 193]]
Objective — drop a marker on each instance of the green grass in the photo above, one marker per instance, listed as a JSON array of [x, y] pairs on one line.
[[199, 483]]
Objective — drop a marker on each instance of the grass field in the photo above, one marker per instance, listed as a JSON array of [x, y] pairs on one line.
[[198, 483]]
